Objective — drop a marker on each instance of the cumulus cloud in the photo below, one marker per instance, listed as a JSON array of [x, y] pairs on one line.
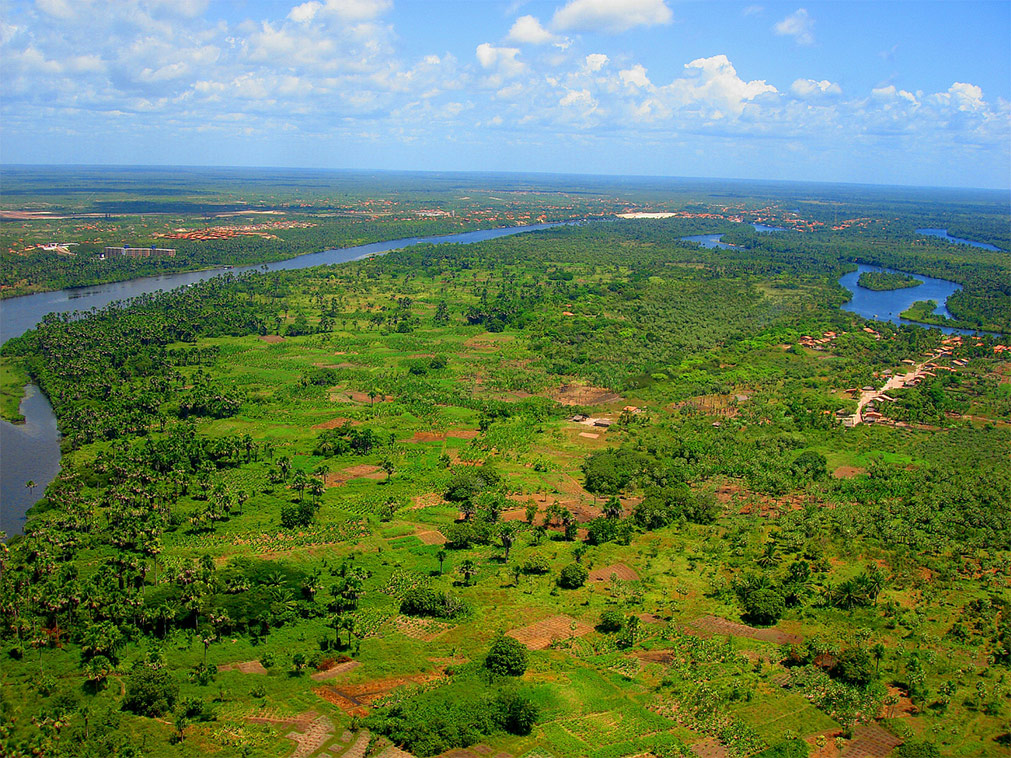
[[635, 77], [527, 30], [809, 88], [499, 59], [610, 16], [798, 25], [345, 10], [595, 62]]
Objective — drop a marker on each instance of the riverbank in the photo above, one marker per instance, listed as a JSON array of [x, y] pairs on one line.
[[923, 312], [13, 380]]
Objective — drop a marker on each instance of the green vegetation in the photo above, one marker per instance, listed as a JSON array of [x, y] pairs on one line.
[[578, 493], [884, 280]]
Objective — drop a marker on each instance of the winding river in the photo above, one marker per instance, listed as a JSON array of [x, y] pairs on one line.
[[30, 452]]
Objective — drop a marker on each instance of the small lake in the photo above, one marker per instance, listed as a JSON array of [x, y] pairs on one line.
[[716, 240], [943, 234], [29, 451]]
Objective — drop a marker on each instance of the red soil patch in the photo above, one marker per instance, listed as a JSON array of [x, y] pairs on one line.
[[426, 501], [589, 435], [617, 570], [431, 537], [425, 630], [427, 437], [335, 671], [710, 625], [575, 394], [710, 747], [271, 338], [871, 741], [245, 667], [540, 635], [336, 422], [354, 699], [902, 709], [830, 750], [847, 472], [361, 471], [463, 434]]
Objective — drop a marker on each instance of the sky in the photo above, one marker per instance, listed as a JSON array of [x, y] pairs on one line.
[[887, 92]]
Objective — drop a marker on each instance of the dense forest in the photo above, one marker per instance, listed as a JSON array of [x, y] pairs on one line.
[[586, 491]]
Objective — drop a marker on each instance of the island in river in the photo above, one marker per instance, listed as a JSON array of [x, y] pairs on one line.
[[881, 281]]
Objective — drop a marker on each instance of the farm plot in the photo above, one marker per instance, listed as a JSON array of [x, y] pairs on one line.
[[355, 699], [612, 572], [710, 625], [540, 635]]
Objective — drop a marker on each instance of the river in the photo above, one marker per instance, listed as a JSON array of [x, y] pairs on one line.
[[943, 234], [31, 451], [28, 452]]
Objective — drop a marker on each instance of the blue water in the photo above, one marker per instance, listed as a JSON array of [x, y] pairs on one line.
[[708, 240], [716, 240], [886, 305], [29, 451], [943, 234]]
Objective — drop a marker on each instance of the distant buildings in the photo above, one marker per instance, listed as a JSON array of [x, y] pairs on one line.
[[139, 252]]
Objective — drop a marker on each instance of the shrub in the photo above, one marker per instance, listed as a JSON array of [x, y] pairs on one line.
[[919, 749], [421, 601], [150, 691], [536, 564], [764, 607], [506, 657], [854, 667], [469, 482], [573, 576], [517, 712], [610, 622]]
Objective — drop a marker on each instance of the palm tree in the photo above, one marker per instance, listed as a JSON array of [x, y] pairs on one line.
[[613, 508], [30, 486], [507, 535], [441, 555], [468, 569]]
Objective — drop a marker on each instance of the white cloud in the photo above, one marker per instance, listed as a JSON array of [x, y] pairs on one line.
[[807, 88], [798, 25], [753, 10], [500, 59], [611, 16], [966, 97], [635, 77], [581, 98], [527, 30], [344, 10], [595, 62], [713, 84]]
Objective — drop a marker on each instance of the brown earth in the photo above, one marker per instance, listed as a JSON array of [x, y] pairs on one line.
[[847, 472], [617, 570], [463, 434], [710, 625], [425, 630], [575, 394], [334, 671], [271, 338], [431, 537], [427, 437], [361, 471], [871, 741], [245, 667], [541, 634], [336, 422], [354, 699]]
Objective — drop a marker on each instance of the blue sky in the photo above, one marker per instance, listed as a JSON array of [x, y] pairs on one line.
[[874, 92]]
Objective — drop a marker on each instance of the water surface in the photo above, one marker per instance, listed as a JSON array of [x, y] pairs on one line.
[[943, 234], [28, 452]]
